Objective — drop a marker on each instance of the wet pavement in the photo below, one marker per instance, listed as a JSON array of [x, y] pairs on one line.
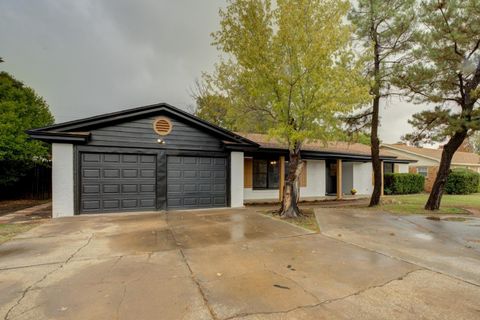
[[445, 243], [224, 264]]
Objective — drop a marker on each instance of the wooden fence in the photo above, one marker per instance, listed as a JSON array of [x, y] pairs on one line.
[[36, 184]]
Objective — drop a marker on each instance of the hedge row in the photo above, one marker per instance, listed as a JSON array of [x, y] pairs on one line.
[[462, 181], [403, 183]]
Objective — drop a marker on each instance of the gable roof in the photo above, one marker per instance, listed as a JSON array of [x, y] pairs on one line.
[[459, 157], [336, 147], [77, 131]]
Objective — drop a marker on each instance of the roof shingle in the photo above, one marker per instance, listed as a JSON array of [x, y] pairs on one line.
[[268, 142], [458, 158]]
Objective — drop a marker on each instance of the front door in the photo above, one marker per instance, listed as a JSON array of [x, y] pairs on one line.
[[331, 177]]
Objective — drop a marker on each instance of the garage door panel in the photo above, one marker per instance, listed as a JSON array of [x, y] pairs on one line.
[[144, 173], [147, 203], [204, 188], [129, 203], [111, 173], [129, 158], [220, 188], [129, 188], [196, 182], [91, 157], [205, 201], [91, 204], [189, 160], [111, 204], [111, 188], [147, 188], [205, 174], [115, 158], [129, 173], [173, 173], [91, 173], [91, 188], [147, 159], [117, 182]]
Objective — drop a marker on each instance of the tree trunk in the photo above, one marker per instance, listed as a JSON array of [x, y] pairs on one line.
[[435, 198], [374, 140], [375, 154], [289, 208]]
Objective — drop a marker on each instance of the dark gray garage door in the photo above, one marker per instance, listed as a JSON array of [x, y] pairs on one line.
[[117, 182], [196, 182]]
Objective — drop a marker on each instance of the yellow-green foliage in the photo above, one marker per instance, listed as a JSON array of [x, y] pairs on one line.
[[287, 63]]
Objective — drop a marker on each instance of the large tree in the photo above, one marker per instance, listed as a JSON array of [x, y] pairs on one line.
[[288, 63], [383, 30], [445, 71], [219, 109], [474, 142], [20, 109]]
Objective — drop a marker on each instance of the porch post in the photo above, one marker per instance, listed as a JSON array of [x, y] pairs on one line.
[[339, 179], [281, 185], [382, 167]]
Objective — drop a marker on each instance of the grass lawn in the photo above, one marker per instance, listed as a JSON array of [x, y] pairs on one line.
[[8, 231], [413, 204], [306, 221]]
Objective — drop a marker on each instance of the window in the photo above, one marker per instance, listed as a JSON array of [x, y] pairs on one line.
[[388, 168], [422, 171], [265, 174]]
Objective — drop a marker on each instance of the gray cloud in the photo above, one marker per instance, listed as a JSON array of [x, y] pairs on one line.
[[94, 56]]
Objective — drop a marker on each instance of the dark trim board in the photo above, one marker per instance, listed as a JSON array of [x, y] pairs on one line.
[[161, 186], [315, 155]]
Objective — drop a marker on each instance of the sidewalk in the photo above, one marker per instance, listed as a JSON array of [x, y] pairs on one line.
[[36, 213]]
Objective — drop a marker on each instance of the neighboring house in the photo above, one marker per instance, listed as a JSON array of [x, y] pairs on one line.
[[159, 157], [428, 160]]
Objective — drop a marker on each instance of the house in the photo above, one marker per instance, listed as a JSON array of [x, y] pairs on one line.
[[428, 160], [158, 157]]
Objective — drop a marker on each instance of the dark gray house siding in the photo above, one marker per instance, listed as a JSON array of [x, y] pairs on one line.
[[140, 134]]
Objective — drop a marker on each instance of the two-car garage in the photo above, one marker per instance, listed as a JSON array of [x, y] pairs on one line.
[[116, 182]]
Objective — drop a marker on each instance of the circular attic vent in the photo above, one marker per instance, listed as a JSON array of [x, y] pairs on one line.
[[162, 126]]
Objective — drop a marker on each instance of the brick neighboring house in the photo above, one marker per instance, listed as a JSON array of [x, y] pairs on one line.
[[428, 160]]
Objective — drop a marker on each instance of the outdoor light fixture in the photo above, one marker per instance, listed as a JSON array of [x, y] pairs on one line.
[[161, 141], [273, 162]]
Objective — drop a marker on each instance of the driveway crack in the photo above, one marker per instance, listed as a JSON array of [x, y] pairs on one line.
[[121, 300], [298, 284], [197, 283], [323, 302], [29, 288]]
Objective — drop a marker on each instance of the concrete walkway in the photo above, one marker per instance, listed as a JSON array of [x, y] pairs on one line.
[[214, 264], [27, 215]]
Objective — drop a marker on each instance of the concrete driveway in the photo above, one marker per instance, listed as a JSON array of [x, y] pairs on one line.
[[216, 264]]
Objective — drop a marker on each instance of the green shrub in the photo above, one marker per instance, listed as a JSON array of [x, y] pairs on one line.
[[462, 181], [403, 183]]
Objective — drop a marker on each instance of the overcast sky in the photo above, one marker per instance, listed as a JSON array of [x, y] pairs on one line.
[[88, 57]]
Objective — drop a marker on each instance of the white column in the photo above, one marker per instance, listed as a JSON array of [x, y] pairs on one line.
[[62, 180], [236, 179]]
